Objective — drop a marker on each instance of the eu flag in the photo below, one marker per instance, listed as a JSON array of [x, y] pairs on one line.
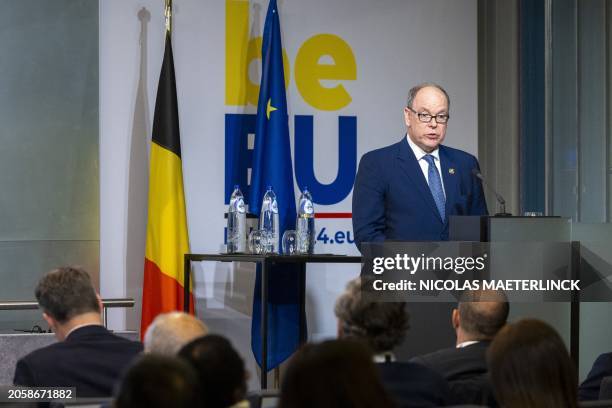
[[272, 167]]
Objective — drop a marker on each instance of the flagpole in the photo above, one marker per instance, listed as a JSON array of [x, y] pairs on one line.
[[164, 287], [168, 14]]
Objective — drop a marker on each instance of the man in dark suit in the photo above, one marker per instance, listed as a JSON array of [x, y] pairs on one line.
[[406, 191], [87, 356], [478, 317], [602, 367]]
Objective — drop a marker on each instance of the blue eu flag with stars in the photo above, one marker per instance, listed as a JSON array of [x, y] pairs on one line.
[[272, 166]]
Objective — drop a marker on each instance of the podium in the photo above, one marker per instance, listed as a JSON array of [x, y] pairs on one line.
[[564, 316], [509, 229]]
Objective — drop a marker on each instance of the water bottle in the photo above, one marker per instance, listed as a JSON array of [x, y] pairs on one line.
[[305, 224], [236, 223], [268, 221]]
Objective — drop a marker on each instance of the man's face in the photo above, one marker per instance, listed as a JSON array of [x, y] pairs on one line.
[[428, 136]]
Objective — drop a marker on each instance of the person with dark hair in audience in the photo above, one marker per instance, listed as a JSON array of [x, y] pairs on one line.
[[87, 355], [383, 326], [333, 374], [590, 387], [479, 315], [162, 381], [220, 369], [531, 368]]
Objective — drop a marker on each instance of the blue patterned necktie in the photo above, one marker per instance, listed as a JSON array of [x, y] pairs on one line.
[[435, 184]]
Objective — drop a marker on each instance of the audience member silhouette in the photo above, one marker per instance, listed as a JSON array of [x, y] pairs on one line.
[[479, 315], [87, 356], [383, 326], [531, 368], [590, 388], [157, 380], [333, 374], [171, 331], [220, 370]]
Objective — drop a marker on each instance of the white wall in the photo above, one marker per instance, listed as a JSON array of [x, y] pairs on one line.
[[396, 44]]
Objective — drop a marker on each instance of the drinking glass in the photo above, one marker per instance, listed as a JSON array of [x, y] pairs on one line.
[[289, 242], [258, 242]]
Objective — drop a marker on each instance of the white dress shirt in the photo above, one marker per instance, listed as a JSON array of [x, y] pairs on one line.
[[386, 357], [467, 343], [241, 404], [420, 154]]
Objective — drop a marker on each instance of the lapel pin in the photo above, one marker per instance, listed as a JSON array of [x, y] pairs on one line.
[[451, 171]]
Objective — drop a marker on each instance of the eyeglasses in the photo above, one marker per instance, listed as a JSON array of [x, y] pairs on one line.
[[440, 118]]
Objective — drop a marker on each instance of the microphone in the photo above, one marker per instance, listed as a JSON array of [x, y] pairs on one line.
[[498, 197]]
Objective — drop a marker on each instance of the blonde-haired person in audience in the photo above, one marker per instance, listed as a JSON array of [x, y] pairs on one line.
[[169, 332], [531, 368]]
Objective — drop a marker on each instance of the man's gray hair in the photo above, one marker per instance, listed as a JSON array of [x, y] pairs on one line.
[[382, 325], [483, 312], [169, 332], [412, 93]]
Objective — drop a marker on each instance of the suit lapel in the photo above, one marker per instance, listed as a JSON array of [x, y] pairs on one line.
[[411, 168], [450, 178]]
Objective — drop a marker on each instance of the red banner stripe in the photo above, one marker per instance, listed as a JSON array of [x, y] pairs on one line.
[[161, 294], [334, 215]]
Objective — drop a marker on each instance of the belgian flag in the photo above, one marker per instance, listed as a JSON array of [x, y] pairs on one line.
[[167, 235]]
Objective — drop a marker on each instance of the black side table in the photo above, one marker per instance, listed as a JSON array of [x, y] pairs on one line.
[[266, 261]]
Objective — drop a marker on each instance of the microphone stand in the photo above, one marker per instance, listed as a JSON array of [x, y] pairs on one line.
[[498, 197]]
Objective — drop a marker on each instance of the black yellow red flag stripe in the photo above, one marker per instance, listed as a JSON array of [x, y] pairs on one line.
[[167, 234]]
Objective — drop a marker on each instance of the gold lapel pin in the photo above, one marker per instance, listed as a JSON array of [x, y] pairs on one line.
[[451, 171]]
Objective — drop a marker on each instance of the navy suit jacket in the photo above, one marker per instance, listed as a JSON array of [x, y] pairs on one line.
[[466, 371], [413, 385], [602, 367], [457, 363], [392, 200], [91, 359]]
